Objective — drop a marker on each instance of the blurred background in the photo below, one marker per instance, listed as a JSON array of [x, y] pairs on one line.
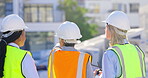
[[44, 16]]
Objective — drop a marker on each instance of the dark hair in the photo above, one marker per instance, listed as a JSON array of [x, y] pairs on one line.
[[69, 44], [3, 44]]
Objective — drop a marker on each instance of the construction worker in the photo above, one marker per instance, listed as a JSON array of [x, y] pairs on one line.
[[67, 62], [121, 59], [14, 62]]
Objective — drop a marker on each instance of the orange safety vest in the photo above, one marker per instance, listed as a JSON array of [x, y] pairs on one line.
[[67, 64]]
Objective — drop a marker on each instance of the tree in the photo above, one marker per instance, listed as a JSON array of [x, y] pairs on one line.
[[75, 13]]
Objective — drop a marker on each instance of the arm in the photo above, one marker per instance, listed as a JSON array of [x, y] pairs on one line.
[[89, 71], [29, 68], [110, 65]]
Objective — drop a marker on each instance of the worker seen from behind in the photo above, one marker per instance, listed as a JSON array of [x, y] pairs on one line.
[[14, 62], [122, 59], [67, 62]]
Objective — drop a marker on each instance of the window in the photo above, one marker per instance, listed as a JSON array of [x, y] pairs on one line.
[[134, 8], [6, 7], [38, 13], [2, 10], [37, 41], [94, 8], [119, 7]]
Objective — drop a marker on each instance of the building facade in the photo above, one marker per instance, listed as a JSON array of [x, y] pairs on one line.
[[144, 24], [41, 16], [100, 9]]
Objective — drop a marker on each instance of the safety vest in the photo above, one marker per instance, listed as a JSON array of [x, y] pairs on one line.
[[67, 64], [131, 60], [13, 62]]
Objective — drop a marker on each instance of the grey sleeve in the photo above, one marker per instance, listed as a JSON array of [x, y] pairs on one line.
[[89, 71]]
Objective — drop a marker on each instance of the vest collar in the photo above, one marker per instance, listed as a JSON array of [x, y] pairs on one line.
[[14, 45], [126, 41], [64, 48]]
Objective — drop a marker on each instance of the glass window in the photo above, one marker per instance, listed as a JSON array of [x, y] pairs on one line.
[[134, 8], [119, 7], [37, 41], [94, 8], [42, 13], [27, 16], [2, 10], [38, 13], [49, 14], [6, 7], [34, 14]]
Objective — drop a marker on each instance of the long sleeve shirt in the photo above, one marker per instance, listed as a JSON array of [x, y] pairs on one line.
[[110, 65]]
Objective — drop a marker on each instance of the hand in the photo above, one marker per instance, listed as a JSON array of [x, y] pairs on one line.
[[98, 72]]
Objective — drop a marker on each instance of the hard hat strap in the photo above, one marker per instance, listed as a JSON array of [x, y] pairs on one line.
[[7, 34]]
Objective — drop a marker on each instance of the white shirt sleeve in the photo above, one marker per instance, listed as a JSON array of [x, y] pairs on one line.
[[110, 65], [89, 71], [29, 68]]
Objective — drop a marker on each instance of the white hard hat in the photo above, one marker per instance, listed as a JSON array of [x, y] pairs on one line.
[[68, 30], [12, 23], [118, 19]]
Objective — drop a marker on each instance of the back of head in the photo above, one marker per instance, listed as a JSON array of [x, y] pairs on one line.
[[11, 27], [69, 32], [118, 36], [118, 24]]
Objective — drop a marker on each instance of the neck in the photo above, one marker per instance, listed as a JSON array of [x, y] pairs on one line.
[[16, 43], [13, 44]]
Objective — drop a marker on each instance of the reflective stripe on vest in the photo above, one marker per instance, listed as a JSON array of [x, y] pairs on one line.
[[131, 60], [13, 62], [121, 60], [67, 64], [142, 57], [80, 65]]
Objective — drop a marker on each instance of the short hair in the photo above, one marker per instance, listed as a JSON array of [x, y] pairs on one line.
[[69, 44]]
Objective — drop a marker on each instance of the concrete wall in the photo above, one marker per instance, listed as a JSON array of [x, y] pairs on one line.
[[144, 25], [105, 6]]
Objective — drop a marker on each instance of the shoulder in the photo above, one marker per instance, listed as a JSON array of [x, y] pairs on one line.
[[28, 55], [28, 58], [16, 51], [110, 55]]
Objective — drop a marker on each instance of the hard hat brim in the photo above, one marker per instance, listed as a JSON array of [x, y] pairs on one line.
[[26, 27], [104, 21]]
